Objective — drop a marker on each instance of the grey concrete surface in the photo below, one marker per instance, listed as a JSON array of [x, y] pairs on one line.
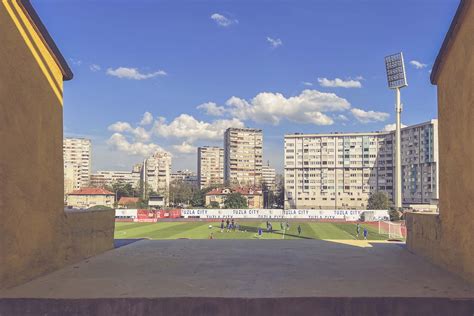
[[248, 269]]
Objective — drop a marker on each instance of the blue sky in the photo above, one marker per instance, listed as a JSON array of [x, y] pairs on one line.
[[198, 67]]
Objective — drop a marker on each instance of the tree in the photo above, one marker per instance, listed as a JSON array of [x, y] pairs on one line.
[[214, 204], [378, 201], [199, 197], [395, 215], [181, 192], [99, 207], [235, 200], [121, 189]]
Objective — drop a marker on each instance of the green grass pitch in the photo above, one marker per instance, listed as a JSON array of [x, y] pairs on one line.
[[248, 230]]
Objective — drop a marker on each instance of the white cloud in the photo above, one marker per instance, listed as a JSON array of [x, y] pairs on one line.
[[139, 133], [120, 127], [133, 73], [147, 119], [185, 148], [76, 62], [307, 107], [417, 64], [306, 83], [120, 142], [342, 117], [212, 108], [369, 116], [187, 127], [391, 127], [339, 83], [274, 42], [95, 68], [223, 20]]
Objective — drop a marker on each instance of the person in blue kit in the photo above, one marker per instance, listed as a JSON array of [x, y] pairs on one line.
[[366, 233]]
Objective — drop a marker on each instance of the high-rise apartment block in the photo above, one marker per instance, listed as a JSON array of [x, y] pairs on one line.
[[156, 174], [77, 163], [210, 165], [420, 174], [269, 177], [341, 170], [243, 151]]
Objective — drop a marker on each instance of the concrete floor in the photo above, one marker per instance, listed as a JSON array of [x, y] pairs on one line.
[[248, 269], [246, 277]]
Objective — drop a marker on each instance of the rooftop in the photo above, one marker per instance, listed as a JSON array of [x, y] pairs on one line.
[[91, 191]]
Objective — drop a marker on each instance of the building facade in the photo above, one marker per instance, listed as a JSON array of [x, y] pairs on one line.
[[104, 178], [88, 197], [210, 166], [243, 153], [269, 177], [77, 163], [342, 170], [420, 175], [185, 176], [156, 173]]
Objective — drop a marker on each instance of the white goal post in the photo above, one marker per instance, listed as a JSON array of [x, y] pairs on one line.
[[393, 230]]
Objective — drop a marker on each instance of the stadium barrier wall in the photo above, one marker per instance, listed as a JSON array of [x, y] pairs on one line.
[[143, 215], [347, 215]]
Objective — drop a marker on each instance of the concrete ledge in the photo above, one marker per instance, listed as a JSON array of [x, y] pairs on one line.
[[423, 233], [208, 306], [428, 237], [91, 233]]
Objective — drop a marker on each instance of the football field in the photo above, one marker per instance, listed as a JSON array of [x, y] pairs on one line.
[[248, 230]]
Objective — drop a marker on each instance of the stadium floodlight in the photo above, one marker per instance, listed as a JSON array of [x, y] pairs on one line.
[[395, 68], [397, 79]]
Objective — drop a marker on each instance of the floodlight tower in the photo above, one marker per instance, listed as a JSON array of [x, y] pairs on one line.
[[396, 78]]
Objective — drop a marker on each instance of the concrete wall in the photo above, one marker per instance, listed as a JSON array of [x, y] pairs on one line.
[[36, 234], [452, 244]]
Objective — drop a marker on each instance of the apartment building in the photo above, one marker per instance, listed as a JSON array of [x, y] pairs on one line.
[[420, 174], [334, 171], [341, 170], [77, 163], [104, 178], [156, 173], [243, 151], [186, 176], [269, 177], [210, 166]]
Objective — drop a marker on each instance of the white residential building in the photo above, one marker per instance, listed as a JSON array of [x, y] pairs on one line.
[[103, 178], [269, 177], [156, 173], [77, 163], [420, 174], [243, 152], [186, 176], [341, 170], [210, 165]]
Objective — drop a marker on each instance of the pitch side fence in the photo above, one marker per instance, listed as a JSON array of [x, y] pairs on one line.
[[137, 215]]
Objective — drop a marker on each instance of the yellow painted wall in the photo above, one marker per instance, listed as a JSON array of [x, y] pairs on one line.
[[35, 232], [454, 246]]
